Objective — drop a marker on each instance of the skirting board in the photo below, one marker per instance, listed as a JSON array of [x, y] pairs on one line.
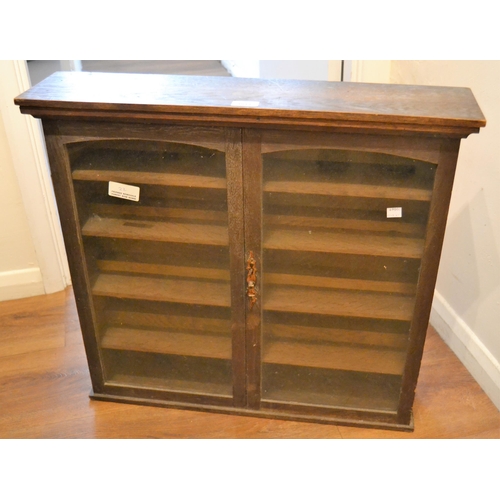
[[21, 283], [467, 347]]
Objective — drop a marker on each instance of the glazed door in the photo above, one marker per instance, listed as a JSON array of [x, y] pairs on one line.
[[337, 263], [159, 218]]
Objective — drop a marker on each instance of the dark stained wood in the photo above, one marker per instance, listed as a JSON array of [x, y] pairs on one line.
[[236, 232], [252, 181], [414, 147], [162, 285], [75, 132], [216, 100]]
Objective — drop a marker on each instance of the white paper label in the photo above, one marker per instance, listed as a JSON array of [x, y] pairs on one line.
[[245, 104], [394, 212], [124, 191]]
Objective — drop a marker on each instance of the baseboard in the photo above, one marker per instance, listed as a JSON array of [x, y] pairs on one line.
[[467, 347], [21, 283]]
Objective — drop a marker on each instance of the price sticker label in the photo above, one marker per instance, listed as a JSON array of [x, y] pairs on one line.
[[394, 212], [124, 191]]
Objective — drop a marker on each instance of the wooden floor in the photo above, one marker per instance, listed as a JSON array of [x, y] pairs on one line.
[[44, 388]]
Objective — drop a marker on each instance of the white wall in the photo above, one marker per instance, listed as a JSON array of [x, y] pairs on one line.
[[32, 257], [242, 68], [294, 70], [19, 270], [367, 71], [287, 69], [466, 308]]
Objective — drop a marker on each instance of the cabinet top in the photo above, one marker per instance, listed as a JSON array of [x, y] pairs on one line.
[[254, 102]]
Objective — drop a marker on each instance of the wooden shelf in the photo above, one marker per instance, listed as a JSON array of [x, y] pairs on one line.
[[167, 342], [156, 231], [169, 384], [152, 178], [339, 283], [338, 303], [203, 273], [335, 357], [165, 213], [145, 320], [340, 389], [163, 290], [280, 332], [348, 190], [315, 223], [165, 270], [302, 299], [353, 244]]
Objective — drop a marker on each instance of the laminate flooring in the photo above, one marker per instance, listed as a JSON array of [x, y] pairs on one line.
[[45, 386]]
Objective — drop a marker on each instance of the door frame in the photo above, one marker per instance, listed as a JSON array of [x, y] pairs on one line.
[[25, 137]]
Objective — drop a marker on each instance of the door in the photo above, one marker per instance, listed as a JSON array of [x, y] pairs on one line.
[[337, 262], [161, 252]]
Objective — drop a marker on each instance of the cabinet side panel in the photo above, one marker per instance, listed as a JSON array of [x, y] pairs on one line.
[[428, 273], [65, 197]]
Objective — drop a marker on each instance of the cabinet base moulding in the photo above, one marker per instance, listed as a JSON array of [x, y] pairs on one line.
[[264, 413]]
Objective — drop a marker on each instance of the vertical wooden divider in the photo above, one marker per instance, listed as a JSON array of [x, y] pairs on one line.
[[234, 176], [252, 182]]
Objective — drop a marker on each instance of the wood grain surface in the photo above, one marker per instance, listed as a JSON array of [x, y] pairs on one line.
[[156, 231], [274, 102]]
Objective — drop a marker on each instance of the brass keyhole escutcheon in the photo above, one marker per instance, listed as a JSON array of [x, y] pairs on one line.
[[251, 279]]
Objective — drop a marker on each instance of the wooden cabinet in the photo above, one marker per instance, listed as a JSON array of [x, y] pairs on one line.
[[265, 248]]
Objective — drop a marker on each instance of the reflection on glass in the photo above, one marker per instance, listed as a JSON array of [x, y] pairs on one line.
[[156, 244], [339, 274]]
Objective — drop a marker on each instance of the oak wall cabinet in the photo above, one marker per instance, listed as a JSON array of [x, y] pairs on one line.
[[265, 248]]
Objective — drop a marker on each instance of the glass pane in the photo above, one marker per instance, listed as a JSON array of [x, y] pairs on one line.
[[343, 237], [155, 233]]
